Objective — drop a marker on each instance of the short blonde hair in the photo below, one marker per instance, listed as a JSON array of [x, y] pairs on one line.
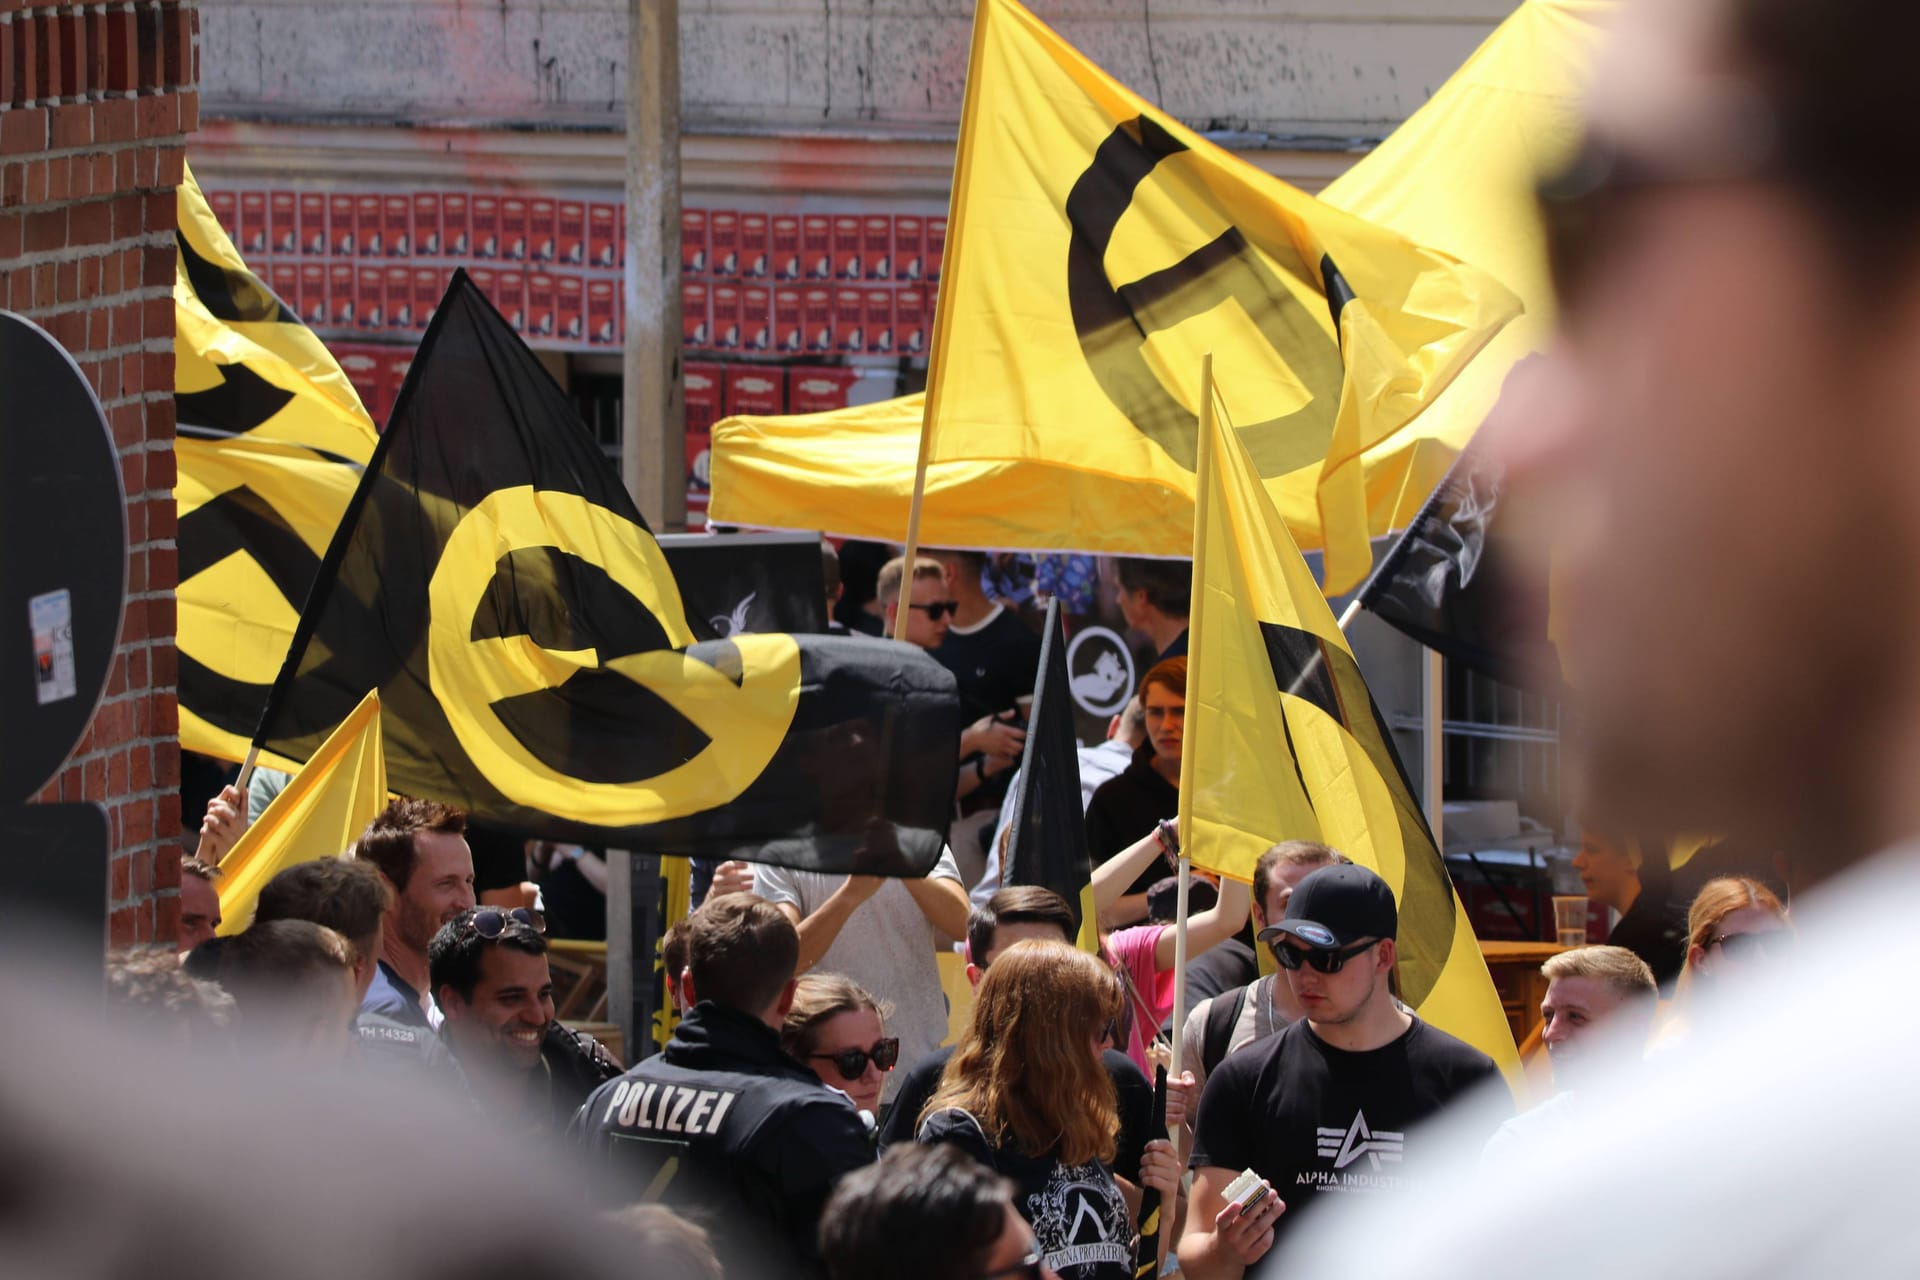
[[1618, 967], [887, 589]]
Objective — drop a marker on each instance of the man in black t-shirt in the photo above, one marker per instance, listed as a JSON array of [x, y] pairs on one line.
[[1326, 1105]]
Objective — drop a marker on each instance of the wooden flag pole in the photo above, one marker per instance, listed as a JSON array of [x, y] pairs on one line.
[[1168, 1210], [912, 549]]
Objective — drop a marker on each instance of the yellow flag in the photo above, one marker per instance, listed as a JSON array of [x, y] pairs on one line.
[[1283, 742], [1096, 248], [272, 440], [319, 814], [1458, 176]]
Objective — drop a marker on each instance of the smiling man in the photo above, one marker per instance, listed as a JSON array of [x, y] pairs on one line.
[[420, 848], [1322, 1108], [495, 991]]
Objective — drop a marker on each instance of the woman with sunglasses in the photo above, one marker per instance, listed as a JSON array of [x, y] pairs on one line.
[[1027, 1095], [1733, 926], [839, 1031]]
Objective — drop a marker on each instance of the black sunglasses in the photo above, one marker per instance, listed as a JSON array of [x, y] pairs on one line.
[[491, 922], [1324, 959], [1028, 1268], [1751, 946], [852, 1063], [938, 609]]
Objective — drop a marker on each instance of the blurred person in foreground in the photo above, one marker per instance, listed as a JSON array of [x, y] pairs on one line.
[[293, 988], [840, 1031], [674, 1248], [1321, 1111], [319, 1175], [1025, 1094], [932, 1213], [420, 847], [722, 1124], [149, 990], [1726, 433], [1592, 992], [499, 1037]]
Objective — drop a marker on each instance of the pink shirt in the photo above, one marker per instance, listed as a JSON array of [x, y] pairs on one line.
[[1150, 1000]]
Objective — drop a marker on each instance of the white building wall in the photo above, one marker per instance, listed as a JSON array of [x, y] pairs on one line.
[[1321, 68]]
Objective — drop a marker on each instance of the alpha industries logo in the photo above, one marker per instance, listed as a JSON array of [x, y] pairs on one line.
[[1344, 1146]]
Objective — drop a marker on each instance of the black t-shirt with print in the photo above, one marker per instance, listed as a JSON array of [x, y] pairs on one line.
[[993, 665], [1311, 1119], [1078, 1216]]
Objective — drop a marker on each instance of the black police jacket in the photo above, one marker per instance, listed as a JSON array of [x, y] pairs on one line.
[[725, 1126]]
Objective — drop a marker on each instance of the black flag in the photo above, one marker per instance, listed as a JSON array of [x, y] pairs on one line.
[[1049, 832], [493, 580], [1447, 583]]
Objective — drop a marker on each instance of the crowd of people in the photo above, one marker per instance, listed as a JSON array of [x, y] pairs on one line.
[[805, 1117]]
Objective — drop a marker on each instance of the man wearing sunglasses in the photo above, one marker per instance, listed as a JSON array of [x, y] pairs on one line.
[[498, 1036], [1323, 1108]]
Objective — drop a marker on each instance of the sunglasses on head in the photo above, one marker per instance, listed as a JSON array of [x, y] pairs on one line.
[[1322, 959], [938, 609], [852, 1063], [1751, 946], [491, 922]]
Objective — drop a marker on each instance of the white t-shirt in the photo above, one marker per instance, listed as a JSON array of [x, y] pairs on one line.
[[1777, 1139], [887, 946]]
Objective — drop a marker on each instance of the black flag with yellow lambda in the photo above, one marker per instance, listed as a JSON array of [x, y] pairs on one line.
[[493, 580]]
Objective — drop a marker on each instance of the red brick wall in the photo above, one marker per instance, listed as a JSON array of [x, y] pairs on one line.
[[95, 103]]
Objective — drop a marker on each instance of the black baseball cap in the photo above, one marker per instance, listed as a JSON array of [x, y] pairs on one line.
[[1337, 906]]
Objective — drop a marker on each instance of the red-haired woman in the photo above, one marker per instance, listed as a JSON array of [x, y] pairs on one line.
[[1026, 1094]]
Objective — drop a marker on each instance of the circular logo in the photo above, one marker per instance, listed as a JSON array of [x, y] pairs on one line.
[[1100, 671], [744, 711], [1318, 935]]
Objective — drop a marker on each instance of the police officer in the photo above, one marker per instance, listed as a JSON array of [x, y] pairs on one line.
[[722, 1119]]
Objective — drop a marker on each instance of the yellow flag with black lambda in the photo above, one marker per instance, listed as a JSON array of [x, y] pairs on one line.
[[493, 580], [1096, 248], [271, 442], [1283, 742], [319, 814]]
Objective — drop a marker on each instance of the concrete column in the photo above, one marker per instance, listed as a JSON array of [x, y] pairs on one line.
[[653, 407]]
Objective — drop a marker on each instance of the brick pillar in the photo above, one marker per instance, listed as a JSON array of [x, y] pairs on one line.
[[99, 100]]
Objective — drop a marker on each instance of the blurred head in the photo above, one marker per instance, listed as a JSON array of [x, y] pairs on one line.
[[1163, 699], [292, 983], [1336, 943], [488, 970], [346, 895], [420, 847], [929, 604], [840, 1032], [742, 953], [1686, 386], [147, 988], [1017, 913], [1733, 927], [933, 1213], [1028, 1066], [1588, 987], [199, 903], [421, 851], [1280, 870], [674, 1248], [1152, 588], [673, 963], [1609, 870]]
